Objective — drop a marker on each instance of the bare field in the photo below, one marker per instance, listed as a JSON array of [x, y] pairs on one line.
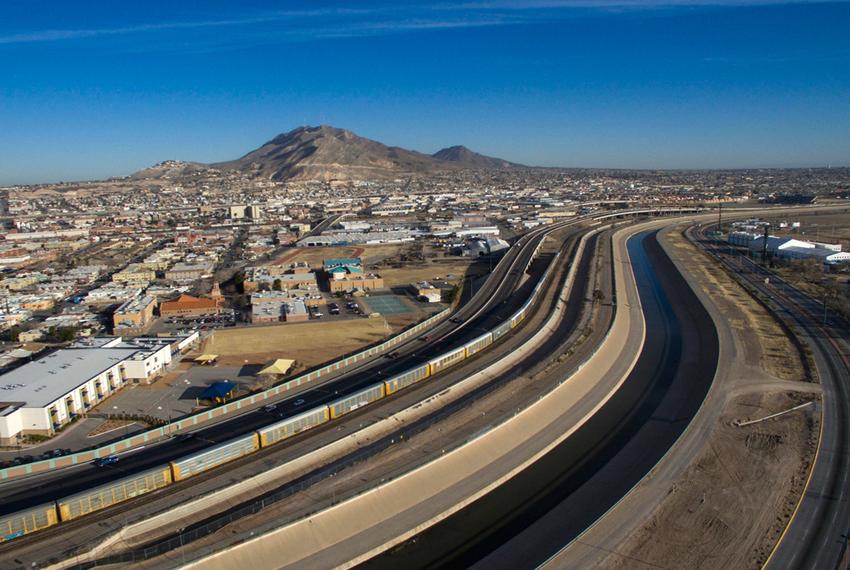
[[315, 255], [768, 347], [831, 227], [428, 272], [309, 343], [733, 502], [370, 254], [736, 495]]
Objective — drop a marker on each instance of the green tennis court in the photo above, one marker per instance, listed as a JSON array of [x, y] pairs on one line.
[[386, 305]]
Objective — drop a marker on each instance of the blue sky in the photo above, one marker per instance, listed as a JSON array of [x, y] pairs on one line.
[[96, 88]]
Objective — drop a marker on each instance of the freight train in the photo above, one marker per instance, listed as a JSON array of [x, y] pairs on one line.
[[75, 506]]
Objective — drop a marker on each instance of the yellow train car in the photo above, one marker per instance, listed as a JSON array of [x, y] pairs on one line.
[[25, 522], [113, 493], [405, 379], [350, 403], [279, 431], [479, 344], [218, 455], [447, 359]]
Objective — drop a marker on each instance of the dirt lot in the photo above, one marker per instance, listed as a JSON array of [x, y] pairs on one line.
[[767, 347], [457, 268], [830, 227], [736, 497], [731, 505], [370, 254], [308, 343]]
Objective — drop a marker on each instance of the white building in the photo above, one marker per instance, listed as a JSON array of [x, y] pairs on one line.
[[45, 394], [790, 248]]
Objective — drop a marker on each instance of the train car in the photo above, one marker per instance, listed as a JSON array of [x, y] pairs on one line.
[[350, 403], [478, 344], [289, 427], [501, 330], [25, 522], [405, 379], [113, 493], [520, 315], [215, 456], [447, 359]]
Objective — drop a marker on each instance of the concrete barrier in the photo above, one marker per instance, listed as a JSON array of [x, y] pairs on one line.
[[205, 416], [338, 536]]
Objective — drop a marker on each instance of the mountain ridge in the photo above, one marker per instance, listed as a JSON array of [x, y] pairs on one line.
[[330, 153]]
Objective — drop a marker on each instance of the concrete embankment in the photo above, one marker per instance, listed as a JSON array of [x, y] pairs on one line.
[[368, 524]]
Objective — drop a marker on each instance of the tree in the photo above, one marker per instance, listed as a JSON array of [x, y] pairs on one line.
[[277, 285], [13, 333]]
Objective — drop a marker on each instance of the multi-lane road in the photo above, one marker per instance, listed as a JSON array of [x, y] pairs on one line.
[[502, 294], [553, 501], [549, 503]]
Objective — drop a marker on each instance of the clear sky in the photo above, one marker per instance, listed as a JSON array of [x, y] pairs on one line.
[[95, 88]]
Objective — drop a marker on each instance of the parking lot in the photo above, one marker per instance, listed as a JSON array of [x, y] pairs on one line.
[[201, 322]]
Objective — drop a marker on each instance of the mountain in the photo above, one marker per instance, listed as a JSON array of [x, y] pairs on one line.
[[468, 159], [324, 153], [170, 169], [329, 153]]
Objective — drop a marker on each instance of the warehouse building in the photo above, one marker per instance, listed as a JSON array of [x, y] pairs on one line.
[[790, 248], [47, 393]]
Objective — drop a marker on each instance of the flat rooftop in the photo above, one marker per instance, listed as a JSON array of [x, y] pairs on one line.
[[46, 379]]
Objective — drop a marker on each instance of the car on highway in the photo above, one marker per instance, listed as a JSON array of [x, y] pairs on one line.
[[104, 461], [298, 402], [269, 407]]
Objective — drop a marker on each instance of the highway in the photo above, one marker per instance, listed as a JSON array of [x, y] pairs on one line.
[[409, 430], [333, 536], [817, 535], [499, 297], [550, 503]]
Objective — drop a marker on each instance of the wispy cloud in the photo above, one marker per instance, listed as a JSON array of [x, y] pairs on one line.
[[321, 23], [266, 18]]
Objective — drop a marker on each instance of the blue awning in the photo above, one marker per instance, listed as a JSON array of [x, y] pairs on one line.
[[218, 390]]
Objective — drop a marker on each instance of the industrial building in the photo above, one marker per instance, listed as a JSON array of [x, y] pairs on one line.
[[45, 394], [790, 248]]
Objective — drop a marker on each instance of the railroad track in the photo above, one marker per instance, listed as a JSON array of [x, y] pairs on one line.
[[816, 536], [77, 505]]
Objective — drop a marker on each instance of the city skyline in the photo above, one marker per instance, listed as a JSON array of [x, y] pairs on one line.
[[94, 93]]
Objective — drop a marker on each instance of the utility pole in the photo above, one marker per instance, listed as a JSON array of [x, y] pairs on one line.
[[719, 217], [764, 245]]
